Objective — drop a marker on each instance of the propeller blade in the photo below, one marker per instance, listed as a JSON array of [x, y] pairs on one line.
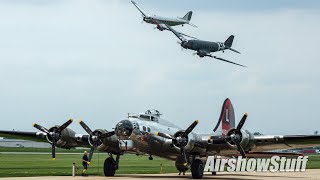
[[41, 128], [164, 135], [91, 152], [65, 125], [85, 127], [221, 59], [242, 121], [107, 134], [190, 128], [183, 153], [240, 149], [53, 147]]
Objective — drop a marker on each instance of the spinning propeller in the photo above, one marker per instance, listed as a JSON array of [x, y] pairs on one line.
[[180, 139], [53, 134], [95, 136]]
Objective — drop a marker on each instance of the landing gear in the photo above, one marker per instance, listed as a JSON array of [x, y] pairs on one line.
[[150, 157], [111, 165], [197, 169]]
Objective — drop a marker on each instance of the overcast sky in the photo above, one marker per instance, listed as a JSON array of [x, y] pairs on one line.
[[94, 60]]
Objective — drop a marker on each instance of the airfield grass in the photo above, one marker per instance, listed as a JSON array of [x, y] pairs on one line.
[[17, 165]]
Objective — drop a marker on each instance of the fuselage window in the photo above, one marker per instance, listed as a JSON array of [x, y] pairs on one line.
[[149, 130], [144, 128]]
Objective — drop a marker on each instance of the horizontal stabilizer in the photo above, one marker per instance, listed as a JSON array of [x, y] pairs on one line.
[[193, 25], [234, 50]]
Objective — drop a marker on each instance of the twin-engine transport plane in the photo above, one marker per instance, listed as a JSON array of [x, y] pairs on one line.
[[161, 21], [148, 133], [204, 48]]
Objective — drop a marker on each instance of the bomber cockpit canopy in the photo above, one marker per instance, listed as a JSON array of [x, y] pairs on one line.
[[149, 115]]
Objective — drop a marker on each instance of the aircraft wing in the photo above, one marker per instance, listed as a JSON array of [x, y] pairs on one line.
[[162, 27], [179, 35], [267, 142], [257, 144], [67, 140], [140, 9], [32, 136]]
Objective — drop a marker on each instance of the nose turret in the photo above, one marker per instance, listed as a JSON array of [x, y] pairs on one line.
[[124, 129]]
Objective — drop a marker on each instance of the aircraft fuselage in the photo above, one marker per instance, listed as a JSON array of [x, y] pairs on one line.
[[165, 20], [205, 46]]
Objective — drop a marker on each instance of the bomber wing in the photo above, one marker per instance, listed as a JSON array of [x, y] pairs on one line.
[[63, 137], [258, 145], [236, 140]]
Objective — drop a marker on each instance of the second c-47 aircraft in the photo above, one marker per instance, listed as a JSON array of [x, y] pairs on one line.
[[204, 48], [160, 21], [147, 133]]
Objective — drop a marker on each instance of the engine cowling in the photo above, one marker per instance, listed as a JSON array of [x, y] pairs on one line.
[[186, 142], [244, 138], [161, 28], [65, 139]]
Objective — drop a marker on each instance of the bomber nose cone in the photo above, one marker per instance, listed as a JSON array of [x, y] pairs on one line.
[[124, 129]]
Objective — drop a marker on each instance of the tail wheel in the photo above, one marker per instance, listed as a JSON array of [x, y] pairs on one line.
[[197, 169], [109, 167]]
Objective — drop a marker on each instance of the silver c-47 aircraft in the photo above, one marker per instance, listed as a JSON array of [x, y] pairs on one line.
[[160, 21], [148, 133], [204, 48]]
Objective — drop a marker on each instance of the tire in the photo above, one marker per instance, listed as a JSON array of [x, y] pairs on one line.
[[197, 169], [109, 167]]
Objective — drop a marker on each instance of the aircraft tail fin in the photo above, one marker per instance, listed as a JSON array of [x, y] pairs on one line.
[[188, 16], [229, 41], [228, 44], [227, 117]]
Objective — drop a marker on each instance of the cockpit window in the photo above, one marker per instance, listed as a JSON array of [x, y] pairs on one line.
[[149, 130], [144, 128], [146, 117]]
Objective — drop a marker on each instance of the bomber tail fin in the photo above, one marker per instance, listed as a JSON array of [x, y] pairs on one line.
[[188, 16], [227, 117], [228, 44]]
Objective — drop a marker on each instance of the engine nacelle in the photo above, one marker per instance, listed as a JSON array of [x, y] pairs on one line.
[[101, 144], [160, 27], [187, 143], [65, 140], [244, 138]]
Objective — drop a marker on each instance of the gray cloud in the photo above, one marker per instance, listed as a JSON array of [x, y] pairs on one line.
[[94, 60]]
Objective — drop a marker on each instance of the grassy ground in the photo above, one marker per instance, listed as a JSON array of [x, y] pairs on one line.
[[25, 149], [42, 165]]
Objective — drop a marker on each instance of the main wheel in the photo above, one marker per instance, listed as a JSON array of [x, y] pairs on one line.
[[109, 167], [197, 169]]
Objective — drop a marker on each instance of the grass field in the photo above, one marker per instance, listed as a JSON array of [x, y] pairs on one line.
[[13, 165], [25, 149]]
